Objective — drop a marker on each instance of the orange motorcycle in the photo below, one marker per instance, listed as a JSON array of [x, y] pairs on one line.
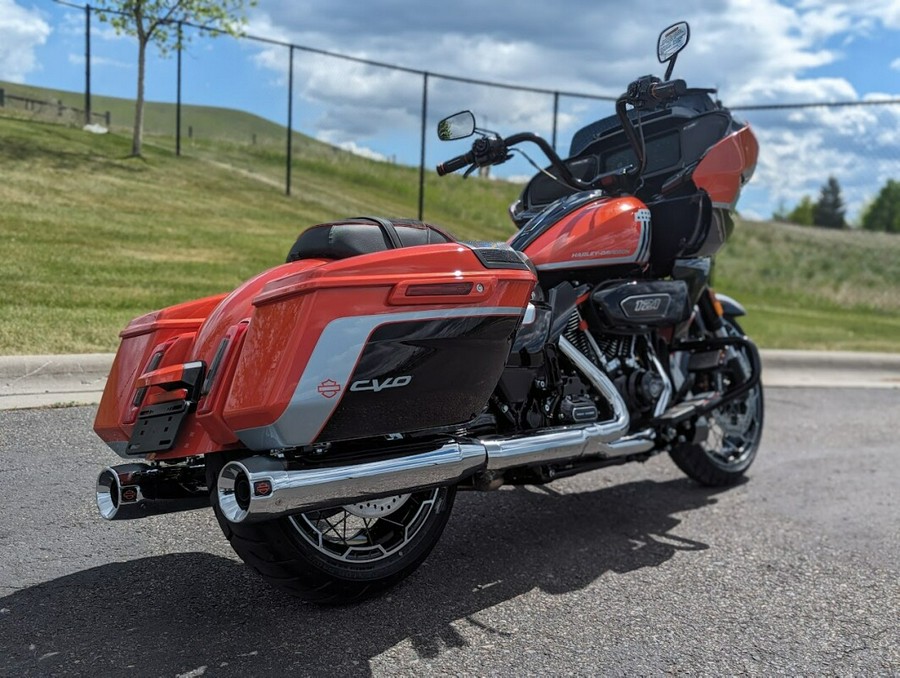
[[330, 408]]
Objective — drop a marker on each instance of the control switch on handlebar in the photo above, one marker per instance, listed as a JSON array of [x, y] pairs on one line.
[[666, 91]]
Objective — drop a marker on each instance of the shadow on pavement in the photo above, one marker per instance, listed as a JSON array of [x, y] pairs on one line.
[[173, 614]]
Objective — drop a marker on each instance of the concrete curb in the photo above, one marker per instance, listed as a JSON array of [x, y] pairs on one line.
[[23, 367], [42, 380], [850, 360], [39, 381], [830, 369]]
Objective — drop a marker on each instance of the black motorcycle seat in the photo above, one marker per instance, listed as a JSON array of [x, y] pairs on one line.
[[363, 235]]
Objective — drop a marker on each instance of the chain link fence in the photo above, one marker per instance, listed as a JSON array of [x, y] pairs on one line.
[[390, 113], [20, 105]]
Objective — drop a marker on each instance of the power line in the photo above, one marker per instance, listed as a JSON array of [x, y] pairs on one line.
[[367, 62], [815, 104], [476, 81]]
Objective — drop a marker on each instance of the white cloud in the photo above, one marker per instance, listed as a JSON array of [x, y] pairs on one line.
[[885, 12], [361, 151], [78, 60], [754, 51], [72, 25], [23, 30], [895, 64]]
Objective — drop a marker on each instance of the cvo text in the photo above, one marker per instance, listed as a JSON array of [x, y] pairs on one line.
[[377, 385]]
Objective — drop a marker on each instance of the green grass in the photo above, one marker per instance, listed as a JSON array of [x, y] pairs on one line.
[[815, 288], [206, 122], [90, 238]]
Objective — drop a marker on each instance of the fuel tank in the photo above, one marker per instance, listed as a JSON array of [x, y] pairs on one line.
[[587, 230]]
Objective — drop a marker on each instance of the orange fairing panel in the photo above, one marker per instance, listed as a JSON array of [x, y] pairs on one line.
[[169, 331], [271, 326], [335, 306], [727, 166]]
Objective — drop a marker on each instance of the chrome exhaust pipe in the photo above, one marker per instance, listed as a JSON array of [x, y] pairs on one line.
[[260, 488], [571, 442], [130, 491]]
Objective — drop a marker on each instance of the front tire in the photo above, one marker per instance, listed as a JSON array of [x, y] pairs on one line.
[[732, 441], [342, 554]]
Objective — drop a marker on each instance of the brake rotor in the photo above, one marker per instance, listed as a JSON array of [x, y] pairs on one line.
[[377, 508]]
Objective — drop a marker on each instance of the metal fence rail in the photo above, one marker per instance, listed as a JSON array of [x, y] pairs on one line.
[[50, 109], [428, 78]]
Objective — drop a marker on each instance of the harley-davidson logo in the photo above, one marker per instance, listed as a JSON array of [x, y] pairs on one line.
[[329, 388]]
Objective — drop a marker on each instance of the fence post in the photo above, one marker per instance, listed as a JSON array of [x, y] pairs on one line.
[[290, 120], [422, 156], [555, 116], [107, 120], [178, 97], [87, 64], [2, 98]]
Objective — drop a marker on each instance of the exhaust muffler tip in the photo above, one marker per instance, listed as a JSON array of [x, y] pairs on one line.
[[116, 497], [233, 489], [259, 488], [131, 491]]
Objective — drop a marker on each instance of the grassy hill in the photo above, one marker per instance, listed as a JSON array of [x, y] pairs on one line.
[[91, 238], [814, 288], [207, 122]]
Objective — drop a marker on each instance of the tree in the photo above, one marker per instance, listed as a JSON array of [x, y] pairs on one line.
[[155, 21], [829, 210], [803, 213], [884, 213]]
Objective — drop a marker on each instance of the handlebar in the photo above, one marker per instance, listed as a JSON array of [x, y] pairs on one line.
[[456, 163], [645, 92], [494, 151], [663, 91]]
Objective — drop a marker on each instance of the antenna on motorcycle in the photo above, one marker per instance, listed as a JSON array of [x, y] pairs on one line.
[[671, 41]]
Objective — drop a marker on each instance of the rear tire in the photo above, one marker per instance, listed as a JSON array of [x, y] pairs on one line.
[[338, 556], [735, 430]]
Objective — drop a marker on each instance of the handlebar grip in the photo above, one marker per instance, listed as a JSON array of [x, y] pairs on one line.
[[667, 90], [456, 163]]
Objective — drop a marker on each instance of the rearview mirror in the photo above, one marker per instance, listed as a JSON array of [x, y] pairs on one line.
[[457, 126], [671, 41]]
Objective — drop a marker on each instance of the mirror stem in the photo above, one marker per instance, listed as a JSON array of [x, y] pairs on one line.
[[670, 67]]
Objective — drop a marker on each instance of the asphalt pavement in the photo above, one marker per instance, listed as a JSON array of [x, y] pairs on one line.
[[46, 380], [627, 571]]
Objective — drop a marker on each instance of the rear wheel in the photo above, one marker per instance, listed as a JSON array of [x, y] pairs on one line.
[[345, 553], [732, 433]]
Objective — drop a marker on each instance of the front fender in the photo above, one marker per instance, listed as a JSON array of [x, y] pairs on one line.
[[731, 307]]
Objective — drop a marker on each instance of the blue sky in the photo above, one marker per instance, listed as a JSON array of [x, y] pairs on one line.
[[755, 51]]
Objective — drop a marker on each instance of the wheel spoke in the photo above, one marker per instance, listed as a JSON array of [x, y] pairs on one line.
[[364, 532]]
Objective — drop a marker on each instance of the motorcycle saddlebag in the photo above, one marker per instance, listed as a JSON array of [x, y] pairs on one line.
[[369, 344]]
